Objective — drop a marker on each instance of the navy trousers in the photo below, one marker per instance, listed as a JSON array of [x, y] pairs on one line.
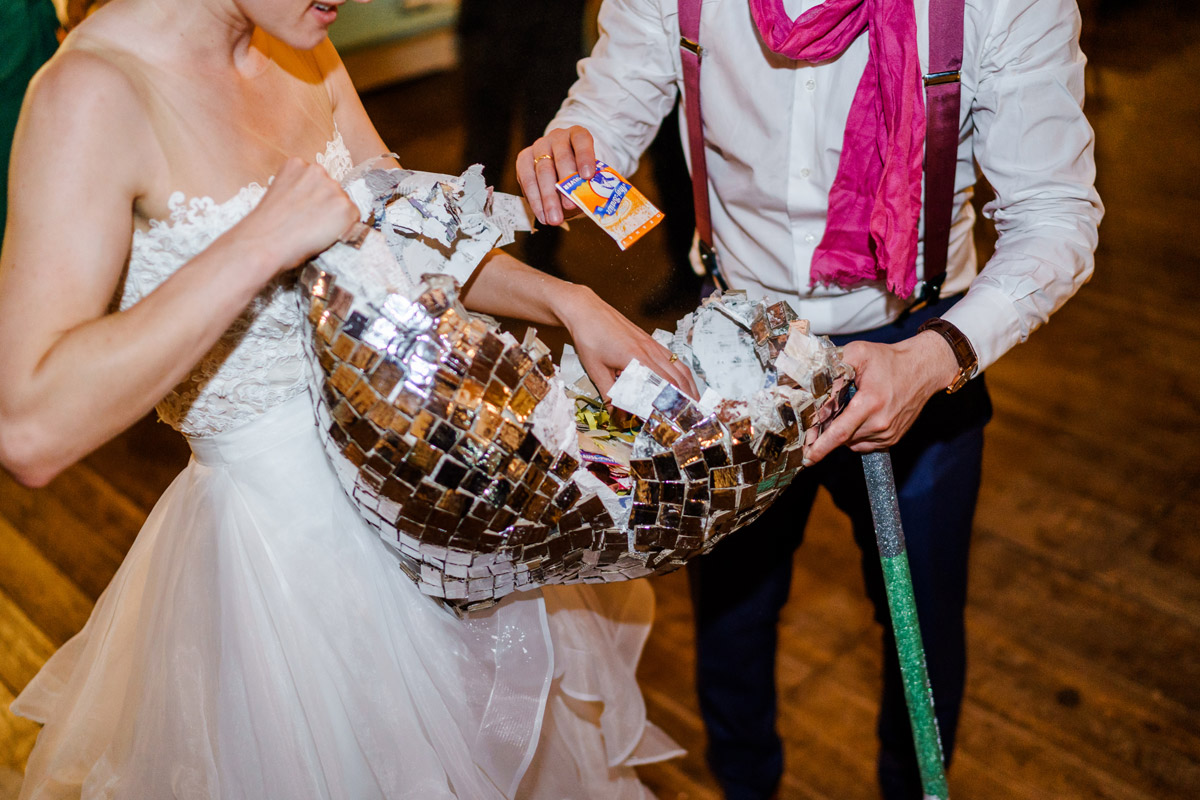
[[740, 587]]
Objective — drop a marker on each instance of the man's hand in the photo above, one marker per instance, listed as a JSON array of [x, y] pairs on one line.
[[894, 383], [550, 159]]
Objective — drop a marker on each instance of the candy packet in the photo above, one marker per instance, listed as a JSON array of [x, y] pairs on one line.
[[613, 203]]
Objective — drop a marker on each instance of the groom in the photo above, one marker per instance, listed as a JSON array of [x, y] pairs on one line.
[[813, 119]]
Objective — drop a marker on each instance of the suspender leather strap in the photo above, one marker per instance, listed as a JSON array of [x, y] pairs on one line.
[[942, 92], [690, 53]]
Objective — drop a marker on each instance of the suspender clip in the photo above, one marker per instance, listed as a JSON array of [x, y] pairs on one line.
[[926, 293], [688, 44], [938, 78], [708, 259]]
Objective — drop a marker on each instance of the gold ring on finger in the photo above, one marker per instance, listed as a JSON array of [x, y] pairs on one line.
[[674, 357], [539, 158]]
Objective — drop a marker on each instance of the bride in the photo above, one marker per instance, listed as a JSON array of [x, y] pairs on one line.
[[258, 641]]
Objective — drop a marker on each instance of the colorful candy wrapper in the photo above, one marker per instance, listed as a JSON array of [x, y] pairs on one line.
[[613, 203]]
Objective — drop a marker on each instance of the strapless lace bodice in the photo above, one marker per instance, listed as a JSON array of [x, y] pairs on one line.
[[259, 362]]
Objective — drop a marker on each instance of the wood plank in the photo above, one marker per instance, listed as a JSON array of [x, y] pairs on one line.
[[1009, 757], [1073, 528], [1172, 541], [829, 735], [1051, 605], [73, 544], [1031, 768], [972, 774], [1034, 442], [25, 649], [669, 781], [1072, 704], [49, 598], [94, 499]]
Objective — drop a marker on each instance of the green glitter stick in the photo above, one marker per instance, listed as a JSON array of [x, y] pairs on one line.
[[885, 509]]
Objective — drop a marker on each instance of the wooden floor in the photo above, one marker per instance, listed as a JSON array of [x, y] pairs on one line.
[[1084, 617]]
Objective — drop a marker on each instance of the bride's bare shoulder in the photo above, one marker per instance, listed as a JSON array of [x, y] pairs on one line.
[[88, 99], [86, 85]]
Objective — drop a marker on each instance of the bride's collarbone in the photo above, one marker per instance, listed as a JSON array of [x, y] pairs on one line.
[[217, 154], [216, 131], [279, 115]]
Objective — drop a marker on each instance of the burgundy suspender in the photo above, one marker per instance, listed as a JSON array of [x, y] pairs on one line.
[[690, 52], [942, 92]]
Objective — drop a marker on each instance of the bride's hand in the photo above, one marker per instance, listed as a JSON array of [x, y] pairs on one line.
[[606, 340], [303, 212]]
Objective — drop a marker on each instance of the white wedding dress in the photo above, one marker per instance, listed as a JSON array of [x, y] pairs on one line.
[[259, 640]]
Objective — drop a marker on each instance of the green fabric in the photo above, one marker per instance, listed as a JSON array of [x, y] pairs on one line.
[[27, 40], [898, 581]]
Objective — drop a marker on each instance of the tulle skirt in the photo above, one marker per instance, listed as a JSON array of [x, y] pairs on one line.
[[259, 641]]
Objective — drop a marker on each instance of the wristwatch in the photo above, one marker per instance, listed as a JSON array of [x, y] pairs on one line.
[[964, 353]]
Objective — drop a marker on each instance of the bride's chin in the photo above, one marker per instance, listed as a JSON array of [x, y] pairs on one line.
[[300, 37], [312, 40]]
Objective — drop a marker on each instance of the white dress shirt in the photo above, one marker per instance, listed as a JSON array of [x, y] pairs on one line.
[[773, 136]]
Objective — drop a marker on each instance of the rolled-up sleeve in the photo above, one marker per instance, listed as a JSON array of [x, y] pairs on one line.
[[627, 85], [1035, 147]]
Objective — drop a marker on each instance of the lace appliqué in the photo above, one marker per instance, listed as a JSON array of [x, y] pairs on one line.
[[259, 362], [336, 158]]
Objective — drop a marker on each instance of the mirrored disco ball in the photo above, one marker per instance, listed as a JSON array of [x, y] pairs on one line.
[[430, 416]]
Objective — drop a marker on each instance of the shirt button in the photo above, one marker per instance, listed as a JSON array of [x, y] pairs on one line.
[[810, 84], [809, 238], [804, 173]]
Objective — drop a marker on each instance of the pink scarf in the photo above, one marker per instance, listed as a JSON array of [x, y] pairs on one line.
[[875, 202]]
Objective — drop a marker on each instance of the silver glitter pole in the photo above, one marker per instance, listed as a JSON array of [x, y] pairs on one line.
[[889, 535]]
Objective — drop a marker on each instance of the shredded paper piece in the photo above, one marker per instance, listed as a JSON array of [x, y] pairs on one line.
[[437, 223], [488, 470]]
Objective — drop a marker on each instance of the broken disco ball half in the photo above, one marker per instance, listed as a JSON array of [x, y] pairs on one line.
[[463, 446]]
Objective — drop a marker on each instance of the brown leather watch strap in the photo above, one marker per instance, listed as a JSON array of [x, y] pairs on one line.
[[964, 353]]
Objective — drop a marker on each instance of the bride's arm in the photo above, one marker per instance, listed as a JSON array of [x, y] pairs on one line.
[[73, 375], [504, 286], [605, 339]]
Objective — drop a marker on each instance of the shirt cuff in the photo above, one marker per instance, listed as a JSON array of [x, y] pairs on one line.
[[987, 318]]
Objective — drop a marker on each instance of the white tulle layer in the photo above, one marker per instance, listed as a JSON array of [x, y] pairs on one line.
[[260, 642]]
